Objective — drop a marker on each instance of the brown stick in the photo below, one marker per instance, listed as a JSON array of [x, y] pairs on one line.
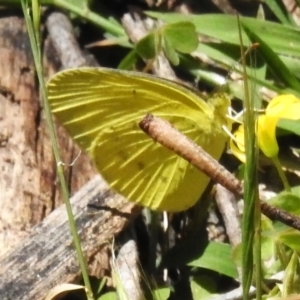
[[164, 133], [47, 257]]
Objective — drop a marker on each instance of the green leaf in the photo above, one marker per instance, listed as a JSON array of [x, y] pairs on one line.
[[202, 287], [225, 28], [284, 40], [182, 36], [217, 257], [290, 237], [273, 60], [279, 11], [162, 293], [76, 4], [193, 252], [109, 296], [129, 61], [149, 46], [170, 52], [288, 201], [289, 125], [80, 8], [291, 277]]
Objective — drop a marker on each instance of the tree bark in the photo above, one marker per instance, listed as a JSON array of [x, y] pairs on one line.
[[47, 257], [28, 183]]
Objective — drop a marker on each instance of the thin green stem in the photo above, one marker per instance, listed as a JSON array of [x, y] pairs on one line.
[[87, 14], [257, 250], [111, 27], [65, 193], [251, 227], [281, 255], [247, 230], [282, 176]]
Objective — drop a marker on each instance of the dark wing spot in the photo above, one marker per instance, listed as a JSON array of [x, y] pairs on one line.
[[124, 155], [141, 165], [164, 179], [181, 169]]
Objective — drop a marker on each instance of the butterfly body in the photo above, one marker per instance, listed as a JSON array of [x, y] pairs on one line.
[[101, 109]]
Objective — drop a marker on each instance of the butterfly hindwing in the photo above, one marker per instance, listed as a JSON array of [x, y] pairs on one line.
[[101, 109]]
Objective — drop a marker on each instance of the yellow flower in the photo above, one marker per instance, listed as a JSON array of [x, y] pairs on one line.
[[281, 107], [237, 144]]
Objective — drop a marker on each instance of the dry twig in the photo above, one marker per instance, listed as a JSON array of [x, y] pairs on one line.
[[47, 257]]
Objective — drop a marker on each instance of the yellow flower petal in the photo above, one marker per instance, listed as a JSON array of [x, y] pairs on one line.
[[266, 134], [239, 138], [284, 107], [237, 145], [281, 107]]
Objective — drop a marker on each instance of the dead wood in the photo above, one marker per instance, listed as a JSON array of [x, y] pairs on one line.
[[44, 255], [47, 257], [28, 186]]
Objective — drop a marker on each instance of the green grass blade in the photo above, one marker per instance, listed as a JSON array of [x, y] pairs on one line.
[[279, 11], [224, 28], [273, 61], [81, 9], [34, 40], [251, 215]]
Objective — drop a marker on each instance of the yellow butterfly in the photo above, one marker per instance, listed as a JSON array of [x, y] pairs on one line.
[[101, 109]]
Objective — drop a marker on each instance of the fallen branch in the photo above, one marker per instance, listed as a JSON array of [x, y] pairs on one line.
[[47, 257], [164, 133]]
